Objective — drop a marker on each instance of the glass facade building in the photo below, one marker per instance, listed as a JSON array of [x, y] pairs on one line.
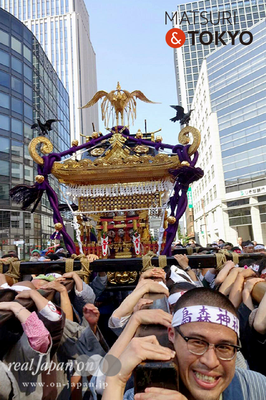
[[237, 82], [242, 14], [62, 29], [29, 89], [229, 103]]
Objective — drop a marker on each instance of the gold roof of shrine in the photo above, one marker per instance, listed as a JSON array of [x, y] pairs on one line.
[[118, 163]]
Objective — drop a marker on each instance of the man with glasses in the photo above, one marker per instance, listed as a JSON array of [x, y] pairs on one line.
[[205, 335]]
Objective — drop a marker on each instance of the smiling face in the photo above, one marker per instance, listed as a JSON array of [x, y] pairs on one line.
[[203, 377]]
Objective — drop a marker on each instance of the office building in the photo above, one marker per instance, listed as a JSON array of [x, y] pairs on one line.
[[29, 88], [62, 28], [221, 15], [229, 110]]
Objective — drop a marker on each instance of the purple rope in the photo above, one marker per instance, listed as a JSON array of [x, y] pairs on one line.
[[185, 176]]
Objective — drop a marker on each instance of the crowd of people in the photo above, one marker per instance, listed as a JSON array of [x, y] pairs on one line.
[[62, 338], [241, 247]]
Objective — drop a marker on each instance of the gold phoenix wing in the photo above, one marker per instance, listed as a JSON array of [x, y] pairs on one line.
[[119, 101]]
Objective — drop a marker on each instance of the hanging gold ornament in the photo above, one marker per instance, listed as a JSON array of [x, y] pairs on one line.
[[171, 220], [58, 226], [39, 178]]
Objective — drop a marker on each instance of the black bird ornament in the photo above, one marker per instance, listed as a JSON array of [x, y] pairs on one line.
[[181, 116], [44, 128]]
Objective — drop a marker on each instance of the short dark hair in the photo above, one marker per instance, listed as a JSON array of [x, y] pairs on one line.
[[247, 243], [246, 261], [229, 244], [179, 286], [236, 248], [207, 297]]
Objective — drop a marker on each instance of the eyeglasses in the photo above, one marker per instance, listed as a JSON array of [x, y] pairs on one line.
[[225, 352]]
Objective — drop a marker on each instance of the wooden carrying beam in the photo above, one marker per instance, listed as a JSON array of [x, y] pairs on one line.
[[128, 264]]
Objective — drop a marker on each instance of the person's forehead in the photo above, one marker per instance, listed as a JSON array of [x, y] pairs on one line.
[[209, 331]]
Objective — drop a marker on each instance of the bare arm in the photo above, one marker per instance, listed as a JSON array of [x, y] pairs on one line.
[[138, 350], [236, 292], [38, 299], [138, 318], [20, 312], [146, 286], [78, 281], [184, 264], [229, 281], [246, 294], [64, 298], [260, 318], [224, 272]]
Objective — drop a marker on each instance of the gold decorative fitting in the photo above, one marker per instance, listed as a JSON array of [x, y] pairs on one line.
[[95, 135], [183, 138], [171, 220], [97, 152], [116, 167], [122, 277], [158, 139], [39, 178], [75, 143], [141, 149], [58, 226], [119, 101], [139, 134], [46, 148], [101, 203], [185, 163]]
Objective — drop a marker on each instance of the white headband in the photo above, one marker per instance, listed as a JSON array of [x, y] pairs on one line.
[[259, 247], [202, 313], [172, 299]]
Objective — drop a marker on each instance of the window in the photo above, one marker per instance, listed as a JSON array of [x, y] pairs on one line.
[[4, 145], [4, 79], [15, 44], [17, 171], [16, 105], [17, 148], [4, 192], [27, 53], [28, 111], [4, 168], [240, 216], [16, 65], [4, 38], [28, 173], [4, 58], [28, 72], [4, 122], [4, 100], [28, 132], [236, 203], [16, 126], [14, 224], [16, 84], [27, 91], [214, 192], [212, 171]]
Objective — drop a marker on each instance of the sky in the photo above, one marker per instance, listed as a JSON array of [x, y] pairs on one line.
[[128, 38]]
